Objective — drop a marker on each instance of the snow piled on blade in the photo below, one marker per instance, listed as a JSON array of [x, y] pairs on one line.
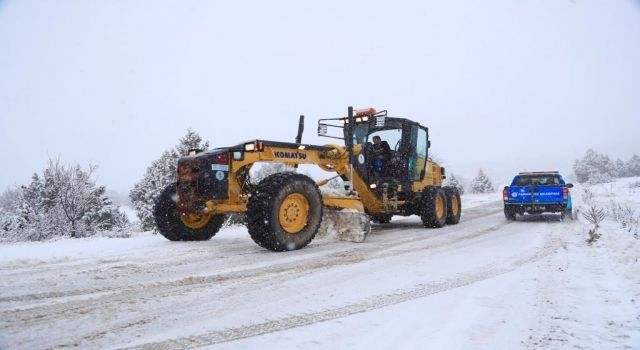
[[345, 225]]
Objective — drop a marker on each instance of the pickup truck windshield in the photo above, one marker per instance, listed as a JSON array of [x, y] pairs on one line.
[[537, 180]]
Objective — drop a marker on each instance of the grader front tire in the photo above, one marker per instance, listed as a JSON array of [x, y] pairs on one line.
[[284, 212], [183, 227]]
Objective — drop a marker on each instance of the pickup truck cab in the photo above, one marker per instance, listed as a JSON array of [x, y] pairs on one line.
[[537, 193]]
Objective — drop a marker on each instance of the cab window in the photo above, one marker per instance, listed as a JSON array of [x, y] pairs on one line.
[[392, 136], [418, 159], [538, 180]]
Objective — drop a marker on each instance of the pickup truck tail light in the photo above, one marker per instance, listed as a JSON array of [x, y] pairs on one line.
[[505, 194], [565, 193]]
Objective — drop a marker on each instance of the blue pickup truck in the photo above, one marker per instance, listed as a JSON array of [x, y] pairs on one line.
[[537, 193]]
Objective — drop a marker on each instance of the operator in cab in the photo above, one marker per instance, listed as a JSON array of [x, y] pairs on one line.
[[382, 155]]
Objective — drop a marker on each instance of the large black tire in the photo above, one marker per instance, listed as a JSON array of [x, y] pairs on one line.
[[510, 213], [264, 209], [431, 217], [170, 225], [381, 219], [454, 205]]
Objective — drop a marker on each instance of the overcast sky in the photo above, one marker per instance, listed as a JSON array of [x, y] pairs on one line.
[[502, 85]]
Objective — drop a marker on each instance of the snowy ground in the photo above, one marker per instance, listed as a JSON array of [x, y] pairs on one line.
[[486, 283]]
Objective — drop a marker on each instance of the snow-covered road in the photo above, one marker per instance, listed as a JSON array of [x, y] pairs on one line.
[[485, 283]]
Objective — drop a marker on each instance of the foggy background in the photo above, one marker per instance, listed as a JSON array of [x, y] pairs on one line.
[[503, 85]]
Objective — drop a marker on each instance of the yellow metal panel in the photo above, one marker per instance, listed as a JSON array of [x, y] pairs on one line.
[[223, 207], [343, 202]]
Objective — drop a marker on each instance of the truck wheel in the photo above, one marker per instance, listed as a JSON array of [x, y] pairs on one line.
[[381, 219], [454, 205], [434, 207], [175, 226], [510, 213], [284, 212]]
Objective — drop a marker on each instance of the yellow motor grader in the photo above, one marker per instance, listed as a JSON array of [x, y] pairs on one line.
[[284, 211]]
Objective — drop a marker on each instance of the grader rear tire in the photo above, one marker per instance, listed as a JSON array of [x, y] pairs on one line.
[[180, 227], [454, 205], [284, 212], [433, 207]]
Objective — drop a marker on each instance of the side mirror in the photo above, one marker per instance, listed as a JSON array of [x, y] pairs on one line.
[[569, 185]]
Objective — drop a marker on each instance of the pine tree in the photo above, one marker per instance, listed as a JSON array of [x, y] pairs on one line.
[[191, 140], [33, 206], [481, 183], [452, 181], [159, 175], [10, 220]]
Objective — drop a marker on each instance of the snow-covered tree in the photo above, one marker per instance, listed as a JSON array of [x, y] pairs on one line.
[[453, 181], [191, 140], [10, 220], [34, 206], [481, 183], [632, 167], [593, 164], [159, 175], [64, 200], [71, 191]]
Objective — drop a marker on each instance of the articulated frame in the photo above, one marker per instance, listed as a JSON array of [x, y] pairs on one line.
[[331, 158]]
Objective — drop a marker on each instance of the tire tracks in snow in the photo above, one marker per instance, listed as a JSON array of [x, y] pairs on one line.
[[369, 304], [80, 308], [243, 274], [125, 325], [111, 298]]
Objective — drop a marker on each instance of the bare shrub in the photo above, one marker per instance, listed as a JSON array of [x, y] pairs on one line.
[[594, 216], [626, 216], [622, 214]]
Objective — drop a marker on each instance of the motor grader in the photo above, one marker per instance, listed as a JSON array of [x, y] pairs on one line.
[[284, 211]]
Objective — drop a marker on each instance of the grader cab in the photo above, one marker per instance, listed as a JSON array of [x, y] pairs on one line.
[[284, 211]]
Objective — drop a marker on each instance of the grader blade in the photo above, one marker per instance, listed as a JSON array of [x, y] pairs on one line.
[[345, 225]]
